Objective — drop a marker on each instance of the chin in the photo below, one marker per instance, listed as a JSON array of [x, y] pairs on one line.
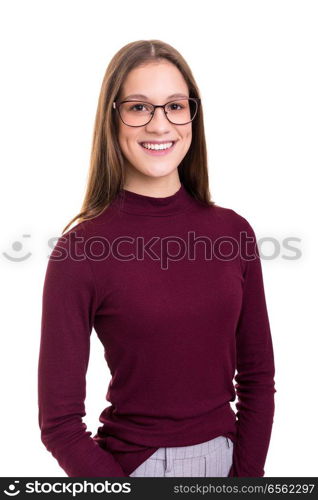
[[157, 170]]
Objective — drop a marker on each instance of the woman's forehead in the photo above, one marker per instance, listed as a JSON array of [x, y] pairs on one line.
[[163, 81]]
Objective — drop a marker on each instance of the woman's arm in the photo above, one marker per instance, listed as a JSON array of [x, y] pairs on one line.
[[68, 306], [255, 385]]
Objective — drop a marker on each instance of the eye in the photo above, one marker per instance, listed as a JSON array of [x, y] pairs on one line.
[[140, 106], [175, 106], [134, 108]]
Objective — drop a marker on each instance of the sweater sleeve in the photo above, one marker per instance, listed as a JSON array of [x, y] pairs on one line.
[[69, 303], [255, 386]]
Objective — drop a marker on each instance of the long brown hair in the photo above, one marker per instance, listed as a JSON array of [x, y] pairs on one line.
[[106, 172]]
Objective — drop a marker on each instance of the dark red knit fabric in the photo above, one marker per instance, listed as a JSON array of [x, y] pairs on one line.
[[176, 319]]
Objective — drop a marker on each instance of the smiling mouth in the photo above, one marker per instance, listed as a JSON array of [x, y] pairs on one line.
[[154, 146], [158, 150]]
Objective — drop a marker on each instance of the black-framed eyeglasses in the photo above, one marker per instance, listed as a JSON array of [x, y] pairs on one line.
[[139, 113]]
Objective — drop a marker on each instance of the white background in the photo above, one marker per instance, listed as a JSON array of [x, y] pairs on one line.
[[255, 63]]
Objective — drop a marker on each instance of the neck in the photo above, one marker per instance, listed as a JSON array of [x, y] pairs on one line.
[[140, 204]]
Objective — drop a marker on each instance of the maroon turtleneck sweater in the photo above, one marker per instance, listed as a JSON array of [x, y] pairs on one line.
[[174, 291]]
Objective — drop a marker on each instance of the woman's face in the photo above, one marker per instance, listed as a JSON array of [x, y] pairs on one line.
[[157, 82]]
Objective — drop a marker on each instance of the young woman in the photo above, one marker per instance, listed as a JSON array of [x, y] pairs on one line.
[[172, 284]]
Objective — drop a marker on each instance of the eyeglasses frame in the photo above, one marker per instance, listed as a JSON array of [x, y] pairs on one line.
[[116, 106]]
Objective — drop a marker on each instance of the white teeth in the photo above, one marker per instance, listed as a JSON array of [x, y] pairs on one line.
[[149, 145]]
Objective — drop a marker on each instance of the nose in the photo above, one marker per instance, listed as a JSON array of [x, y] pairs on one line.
[[159, 120]]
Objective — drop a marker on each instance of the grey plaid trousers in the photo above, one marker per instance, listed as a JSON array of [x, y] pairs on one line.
[[212, 458]]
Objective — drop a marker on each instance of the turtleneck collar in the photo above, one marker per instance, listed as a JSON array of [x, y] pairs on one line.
[[179, 202]]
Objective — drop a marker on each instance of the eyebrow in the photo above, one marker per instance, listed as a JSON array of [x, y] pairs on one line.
[[141, 96]]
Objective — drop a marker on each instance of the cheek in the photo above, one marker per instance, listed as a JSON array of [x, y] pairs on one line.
[[127, 139], [121, 136], [187, 133], [187, 137]]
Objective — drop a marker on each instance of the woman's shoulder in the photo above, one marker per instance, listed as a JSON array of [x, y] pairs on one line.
[[91, 226], [231, 216]]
